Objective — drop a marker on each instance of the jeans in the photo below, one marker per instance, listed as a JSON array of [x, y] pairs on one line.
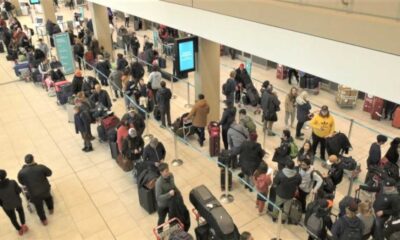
[[379, 223], [299, 127], [200, 133], [303, 199], [286, 207], [163, 114], [38, 202], [13, 217], [292, 116], [162, 214], [316, 140]]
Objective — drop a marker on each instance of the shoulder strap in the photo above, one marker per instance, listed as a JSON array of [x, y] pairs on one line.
[[244, 135]]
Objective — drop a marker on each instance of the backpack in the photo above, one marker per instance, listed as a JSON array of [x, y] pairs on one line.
[[351, 232], [294, 150], [315, 224], [249, 124], [349, 163]]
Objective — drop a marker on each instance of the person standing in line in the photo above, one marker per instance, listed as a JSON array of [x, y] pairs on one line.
[[270, 105], [82, 125], [262, 180], [126, 20], [290, 107], [132, 146], [163, 97], [348, 225], [229, 87], [155, 80], [375, 155], [228, 117], [79, 52], [323, 125], [134, 44], [198, 114], [311, 181], [165, 189], [154, 154], [104, 69], [101, 96], [34, 177], [293, 72], [10, 201], [303, 107]]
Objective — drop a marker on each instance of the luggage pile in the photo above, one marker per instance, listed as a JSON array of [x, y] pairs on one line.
[[346, 96]]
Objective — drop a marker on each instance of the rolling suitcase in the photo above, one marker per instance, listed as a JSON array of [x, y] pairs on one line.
[[211, 210], [157, 113], [396, 118], [101, 133], [367, 107], [281, 72], [213, 131], [377, 108], [295, 212], [223, 180], [19, 66], [202, 232], [147, 199], [114, 150], [162, 62], [252, 94], [125, 164], [272, 198]]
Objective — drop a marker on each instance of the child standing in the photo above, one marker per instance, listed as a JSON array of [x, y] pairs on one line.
[[262, 180]]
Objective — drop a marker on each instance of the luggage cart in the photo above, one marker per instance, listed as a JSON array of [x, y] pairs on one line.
[[346, 97], [171, 226]]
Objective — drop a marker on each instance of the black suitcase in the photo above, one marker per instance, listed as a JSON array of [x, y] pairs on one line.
[[245, 99], [209, 208], [272, 197], [157, 113], [303, 82], [202, 232], [147, 199], [162, 62], [101, 133], [114, 150], [252, 95], [223, 180], [1, 47]]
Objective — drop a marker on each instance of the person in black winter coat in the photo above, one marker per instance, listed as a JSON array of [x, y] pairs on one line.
[[82, 122], [320, 209], [10, 201], [77, 82], [228, 117], [250, 156], [121, 62], [134, 44], [229, 87], [393, 153], [104, 68], [34, 177], [282, 153], [177, 209], [303, 107], [154, 154], [101, 96], [241, 78], [336, 171], [164, 96], [137, 70], [286, 181], [375, 155], [136, 120], [337, 144], [270, 106], [88, 85], [348, 224], [132, 146]]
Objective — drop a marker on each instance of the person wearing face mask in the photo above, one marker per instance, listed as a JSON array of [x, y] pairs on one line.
[[336, 171], [154, 154], [323, 125], [165, 190], [311, 181]]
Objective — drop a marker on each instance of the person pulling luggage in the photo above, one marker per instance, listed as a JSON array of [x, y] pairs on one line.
[[10, 201], [374, 156], [82, 122], [198, 114], [35, 178], [228, 117], [165, 190], [317, 219]]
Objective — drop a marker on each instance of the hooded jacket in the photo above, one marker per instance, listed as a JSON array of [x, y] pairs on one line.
[[9, 194], [286, 182], [77, 83], [151, 156], [251, 155], [228, 117], [164, 96], [155, 80], [34, 177], [237, 134], [340, 226], [303, 109], [308, 178], [163, 186], [199, 113]]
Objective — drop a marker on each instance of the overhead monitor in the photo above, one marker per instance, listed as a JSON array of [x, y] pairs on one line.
[[185, 54], [33, 2], [60, 18]]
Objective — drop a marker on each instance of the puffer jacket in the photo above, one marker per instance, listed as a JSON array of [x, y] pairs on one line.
[[9, 194], [237, 134], [34, 177], [251, 155], [286, 182]]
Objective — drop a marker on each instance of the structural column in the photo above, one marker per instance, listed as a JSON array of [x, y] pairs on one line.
[[17, 5], [49, 12], [207, 76], [101, 26]]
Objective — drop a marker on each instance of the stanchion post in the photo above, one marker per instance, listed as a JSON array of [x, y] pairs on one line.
[[147, 135], [226, 197], [350, 186], [264, 138], [188, 95], [176, 162], [278, 233], [350, 128], [172, 86]]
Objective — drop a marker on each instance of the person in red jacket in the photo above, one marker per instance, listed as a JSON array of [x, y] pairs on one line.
[[262, 180]]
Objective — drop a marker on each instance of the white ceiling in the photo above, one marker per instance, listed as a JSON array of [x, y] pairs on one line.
[[366, 70]]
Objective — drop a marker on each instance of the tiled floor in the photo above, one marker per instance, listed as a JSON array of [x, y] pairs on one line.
[[94, 198]]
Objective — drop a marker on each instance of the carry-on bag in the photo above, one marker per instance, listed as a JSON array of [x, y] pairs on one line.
[[147, 199], [114, 150], [391, 229], [19, 66], [396, 118], [110, 122], [295, 212], [211, 210], [377, 108], [272, 198], [125, 164], [252, 94], [157, 113], [214, 132], [367, 107], [162, 62]]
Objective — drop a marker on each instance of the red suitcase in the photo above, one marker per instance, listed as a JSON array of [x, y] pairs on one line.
[[396, 118], [281, 72], [367, 107], [214, 132], [377, 108]]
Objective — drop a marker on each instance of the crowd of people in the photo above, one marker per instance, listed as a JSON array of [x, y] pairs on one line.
[[295, 179]]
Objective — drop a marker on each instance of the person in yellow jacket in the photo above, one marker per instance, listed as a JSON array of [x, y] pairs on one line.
[[323, 125]]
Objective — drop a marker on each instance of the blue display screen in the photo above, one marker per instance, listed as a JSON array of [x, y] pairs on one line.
[[34, 1], [186, 56]]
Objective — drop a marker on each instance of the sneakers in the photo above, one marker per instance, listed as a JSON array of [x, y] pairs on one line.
[[88, 149], [24, 228], [20, 232], [44, 222], [51, 211]]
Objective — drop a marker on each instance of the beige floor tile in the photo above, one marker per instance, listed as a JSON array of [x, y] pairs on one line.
[[102, 235], [83, 211], [121, 224], [104, 196], [91, 226]]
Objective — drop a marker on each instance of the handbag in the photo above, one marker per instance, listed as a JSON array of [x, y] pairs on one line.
[[124, 163]]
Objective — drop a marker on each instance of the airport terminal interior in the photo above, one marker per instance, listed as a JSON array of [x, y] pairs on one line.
[[95, 199]]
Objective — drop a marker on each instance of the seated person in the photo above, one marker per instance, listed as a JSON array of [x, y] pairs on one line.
[[101, 96], [88, 85]]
